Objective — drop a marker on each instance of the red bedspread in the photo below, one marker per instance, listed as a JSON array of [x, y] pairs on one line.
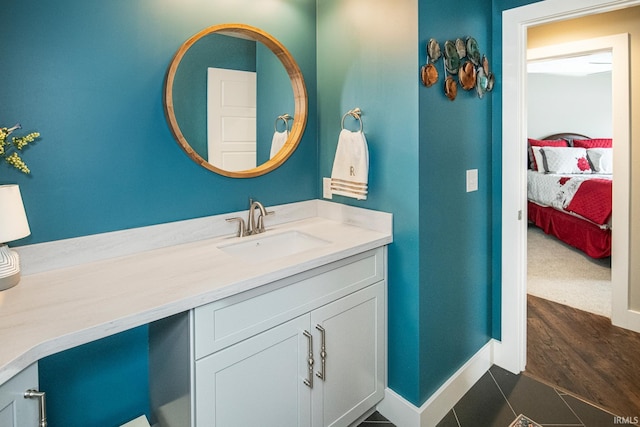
[[588, 237], [593, 200]]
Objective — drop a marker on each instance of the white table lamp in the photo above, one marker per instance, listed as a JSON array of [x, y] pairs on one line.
[[13, 226]]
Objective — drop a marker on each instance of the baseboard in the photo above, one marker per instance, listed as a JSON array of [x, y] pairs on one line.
[[404, 414]]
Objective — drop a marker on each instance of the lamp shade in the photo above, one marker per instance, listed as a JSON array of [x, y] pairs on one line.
[[13, 219]]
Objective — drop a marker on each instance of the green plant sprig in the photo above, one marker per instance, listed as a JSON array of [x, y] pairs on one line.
[[9, 150]]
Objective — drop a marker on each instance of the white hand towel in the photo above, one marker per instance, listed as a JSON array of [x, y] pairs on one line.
[[350, 174], [277, 142]]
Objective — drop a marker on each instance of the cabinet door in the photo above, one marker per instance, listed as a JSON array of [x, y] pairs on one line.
[[354, 330], [257, 382], [15, 410]]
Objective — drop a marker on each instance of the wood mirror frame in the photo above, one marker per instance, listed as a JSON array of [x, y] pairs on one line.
[[299, 95]]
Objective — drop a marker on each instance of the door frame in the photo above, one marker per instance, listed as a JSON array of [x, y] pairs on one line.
[[510, 352]]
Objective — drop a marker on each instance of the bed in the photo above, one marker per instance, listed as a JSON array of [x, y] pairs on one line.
[[569, 190]]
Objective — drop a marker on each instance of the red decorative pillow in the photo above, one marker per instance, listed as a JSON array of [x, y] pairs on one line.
[[593, 143], [543, 143]]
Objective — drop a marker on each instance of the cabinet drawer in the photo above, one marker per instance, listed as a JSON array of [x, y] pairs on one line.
[[228, 321]]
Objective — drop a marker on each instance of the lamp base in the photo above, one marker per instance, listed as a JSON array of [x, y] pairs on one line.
[[9, 268], [9, 281]]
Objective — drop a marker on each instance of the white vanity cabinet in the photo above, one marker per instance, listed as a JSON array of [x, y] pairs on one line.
[[15, 410], [227, 342], [256, 358]]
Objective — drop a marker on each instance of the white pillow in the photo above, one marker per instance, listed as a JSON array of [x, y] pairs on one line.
[[570, 160], [601, 159], [537, 154]]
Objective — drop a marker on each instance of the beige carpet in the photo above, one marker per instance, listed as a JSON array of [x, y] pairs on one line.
[[559, 273]]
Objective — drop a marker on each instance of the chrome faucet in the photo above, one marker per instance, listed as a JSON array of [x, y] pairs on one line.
[[252, 226]]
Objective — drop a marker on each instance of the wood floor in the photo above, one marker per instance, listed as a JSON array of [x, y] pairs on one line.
[[585, 355]]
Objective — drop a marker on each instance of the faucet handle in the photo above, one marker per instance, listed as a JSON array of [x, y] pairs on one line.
[[241, 228], [260, 225]]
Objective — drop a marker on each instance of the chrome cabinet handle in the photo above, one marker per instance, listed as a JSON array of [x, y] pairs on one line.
[[309, 380], [323, 354], [40, 395]]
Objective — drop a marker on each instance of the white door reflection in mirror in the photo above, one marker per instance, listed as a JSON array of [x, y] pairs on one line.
[[231, 119]]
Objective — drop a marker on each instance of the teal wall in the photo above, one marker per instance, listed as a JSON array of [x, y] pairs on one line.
[[103, 383], [455, 244], [368, 58], [421, 144], [89, 76]]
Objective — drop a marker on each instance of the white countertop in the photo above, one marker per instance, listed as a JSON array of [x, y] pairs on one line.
[[60, 308]]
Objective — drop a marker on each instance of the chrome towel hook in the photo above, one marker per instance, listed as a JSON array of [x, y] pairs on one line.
[[356, 113]]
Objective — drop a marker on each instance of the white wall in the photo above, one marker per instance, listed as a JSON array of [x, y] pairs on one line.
[[580, 104]]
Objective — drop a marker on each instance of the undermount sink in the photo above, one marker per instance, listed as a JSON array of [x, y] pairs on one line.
[[271, 246]]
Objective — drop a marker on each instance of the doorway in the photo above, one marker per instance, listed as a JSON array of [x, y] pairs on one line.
[[511, 352], [569, 93]]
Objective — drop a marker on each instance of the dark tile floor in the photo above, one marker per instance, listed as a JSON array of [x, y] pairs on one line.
[[500, 396], [376, 420]]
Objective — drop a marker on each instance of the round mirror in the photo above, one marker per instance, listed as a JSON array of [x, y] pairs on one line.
[[235, 100]]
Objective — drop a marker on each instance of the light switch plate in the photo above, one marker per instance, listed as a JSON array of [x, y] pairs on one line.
[[472, 180], [326, 188]]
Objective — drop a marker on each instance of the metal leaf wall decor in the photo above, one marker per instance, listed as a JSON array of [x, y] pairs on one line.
[[462, 64]]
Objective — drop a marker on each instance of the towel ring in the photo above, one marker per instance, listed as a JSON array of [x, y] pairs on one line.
[[355, 113], [285, 118]]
